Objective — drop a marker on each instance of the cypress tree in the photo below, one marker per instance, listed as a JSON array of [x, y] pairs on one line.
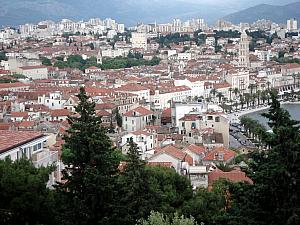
[[91, 166], [135, 199]]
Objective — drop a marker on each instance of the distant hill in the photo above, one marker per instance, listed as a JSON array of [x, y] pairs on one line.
[[278, 14], [14, 12]]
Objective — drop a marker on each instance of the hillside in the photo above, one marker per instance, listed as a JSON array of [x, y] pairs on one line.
[[130, 12], [278, 14]]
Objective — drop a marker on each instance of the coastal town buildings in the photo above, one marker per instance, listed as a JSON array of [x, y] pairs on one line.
[[174, 89]]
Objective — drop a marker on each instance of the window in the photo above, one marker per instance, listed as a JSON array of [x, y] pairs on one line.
[[217, 119], [209, 118], [182, 124], [193, 125], [132, 121]]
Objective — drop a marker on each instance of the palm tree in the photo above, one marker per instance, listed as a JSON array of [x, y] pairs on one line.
[[268, 84], [220, 96], [247, 99], [253, 98], [294, 75], [242, 101], [258, 93], [236, 91], [264, 96], [213, 92], [230, 91], [251, 87]]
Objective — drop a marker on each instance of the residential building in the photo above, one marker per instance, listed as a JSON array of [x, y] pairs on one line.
[[137, 119], [292, 24], [34, 72], [139, 40]]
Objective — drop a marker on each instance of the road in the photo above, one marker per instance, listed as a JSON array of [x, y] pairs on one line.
[[238, 139]]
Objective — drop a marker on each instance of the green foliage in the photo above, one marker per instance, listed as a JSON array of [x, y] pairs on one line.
[[274, 197], [135, 55], [171, 189], [121, 62], [285, 60], [46, 61], [76, 61], [227, 34], [205, 206], [118, 117], [135, 200], [176, 38], [3, 56], [23, 193], [224, 167], [90, 165], [157, 218]]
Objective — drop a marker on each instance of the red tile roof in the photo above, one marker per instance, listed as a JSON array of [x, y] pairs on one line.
[[176, 153], [132, 87], [139, 111], [13, 85], [19, 114], [166, 113], [26, 124], [140, 132], [103, 113], [4, 126], [235, 175], [59, 112], [33, 67], [220, 154], [13, 139], [190, 117], [196, 149]]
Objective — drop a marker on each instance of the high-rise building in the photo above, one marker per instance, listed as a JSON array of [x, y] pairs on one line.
[[139, 40], [244, 51], [291, 24]]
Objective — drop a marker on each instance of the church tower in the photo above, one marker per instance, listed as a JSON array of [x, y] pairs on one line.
[[244, 51]]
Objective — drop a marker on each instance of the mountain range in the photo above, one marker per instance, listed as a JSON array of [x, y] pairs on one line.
[[278, 14], [14, 12]]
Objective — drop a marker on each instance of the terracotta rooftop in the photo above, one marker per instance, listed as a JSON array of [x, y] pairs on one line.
[[196, 149], [220, 154], [13, 139], [235, 175], [139, 111], [176, 153], [19, 114], [59, 112], [33, 67]]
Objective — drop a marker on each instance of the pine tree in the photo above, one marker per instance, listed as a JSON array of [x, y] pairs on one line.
[[276, 172], [25, 199], [91, 164], [135, 198]]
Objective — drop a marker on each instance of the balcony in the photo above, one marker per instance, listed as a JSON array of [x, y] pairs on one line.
[[44, 158]]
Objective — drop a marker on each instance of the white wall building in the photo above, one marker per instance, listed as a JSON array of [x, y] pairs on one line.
[[137, 119], [34, 72], [292, 24], [139, 40], [54, 100], [145, 141]]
